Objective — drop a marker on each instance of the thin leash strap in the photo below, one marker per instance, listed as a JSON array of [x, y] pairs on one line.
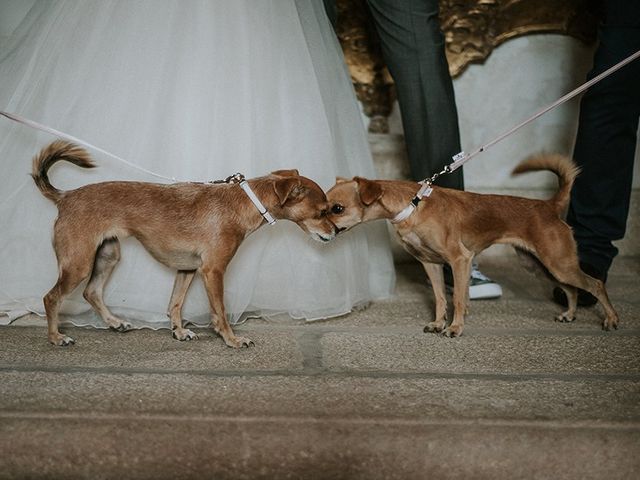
[[462, 158], [71, 138], [237, 178]]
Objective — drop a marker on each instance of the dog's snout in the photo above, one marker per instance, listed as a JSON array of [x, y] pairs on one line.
[[335, 229]]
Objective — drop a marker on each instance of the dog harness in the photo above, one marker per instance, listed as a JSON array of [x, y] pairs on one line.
[[425, 191], [240, 180]]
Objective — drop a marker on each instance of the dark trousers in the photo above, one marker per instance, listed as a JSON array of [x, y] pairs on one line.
[[606, 140], [413, 49]]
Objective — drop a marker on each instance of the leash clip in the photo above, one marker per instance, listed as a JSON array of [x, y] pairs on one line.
[[424, 191], [235, 178], [239, 179], [458, 160]]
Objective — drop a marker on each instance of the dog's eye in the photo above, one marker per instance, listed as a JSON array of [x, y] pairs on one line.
[[337, 209]]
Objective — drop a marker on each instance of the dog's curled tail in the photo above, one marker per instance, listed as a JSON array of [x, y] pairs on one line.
[[562, 166], [54, 152]]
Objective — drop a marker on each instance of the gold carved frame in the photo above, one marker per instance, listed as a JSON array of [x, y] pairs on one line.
[[471, 28]]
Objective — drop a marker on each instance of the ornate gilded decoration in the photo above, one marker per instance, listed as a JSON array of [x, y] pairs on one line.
[[370, 77], [472, 29]]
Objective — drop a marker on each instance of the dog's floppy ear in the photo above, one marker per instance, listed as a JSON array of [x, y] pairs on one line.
[[288, 188], [369, 190], [286, 173]]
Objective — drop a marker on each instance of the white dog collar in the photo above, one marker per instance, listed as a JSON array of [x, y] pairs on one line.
[[240, 180], [425, 191], [256, 201]]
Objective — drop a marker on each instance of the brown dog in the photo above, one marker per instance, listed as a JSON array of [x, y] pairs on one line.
[[452, 226], [192, 227]]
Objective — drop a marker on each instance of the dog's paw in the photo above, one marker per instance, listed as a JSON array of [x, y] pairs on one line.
[[609, 323], [564, 317], [434, 327], [183, 334], [239, 342], [61, 340], [452, 331], [120, 327]]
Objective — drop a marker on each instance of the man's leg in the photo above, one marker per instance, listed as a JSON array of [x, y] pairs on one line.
[[605, 150], [413, 49], [605, 146]]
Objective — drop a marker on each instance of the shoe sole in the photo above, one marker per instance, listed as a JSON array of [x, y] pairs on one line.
[[482, 292]]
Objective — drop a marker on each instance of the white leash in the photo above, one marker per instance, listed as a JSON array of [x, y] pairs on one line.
[[38, 126], [71, 138], [461, 158]]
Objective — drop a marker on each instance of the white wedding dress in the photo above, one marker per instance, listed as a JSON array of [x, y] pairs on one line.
[[191, 90]]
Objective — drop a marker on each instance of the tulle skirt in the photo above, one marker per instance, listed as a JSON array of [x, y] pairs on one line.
[[188, 90]]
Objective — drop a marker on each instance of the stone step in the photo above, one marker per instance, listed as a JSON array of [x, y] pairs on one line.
[[364, 396]]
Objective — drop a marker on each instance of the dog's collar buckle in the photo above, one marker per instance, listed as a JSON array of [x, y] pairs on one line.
[[425, 191], [240, 180], [235, 178]]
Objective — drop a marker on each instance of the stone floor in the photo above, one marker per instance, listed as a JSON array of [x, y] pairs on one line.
[[364, 396]]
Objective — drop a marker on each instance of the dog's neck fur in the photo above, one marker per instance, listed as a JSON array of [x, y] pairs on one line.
[[393, 200], [264, 188]]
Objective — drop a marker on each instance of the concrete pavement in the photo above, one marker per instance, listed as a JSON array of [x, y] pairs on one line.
[[367, 395]]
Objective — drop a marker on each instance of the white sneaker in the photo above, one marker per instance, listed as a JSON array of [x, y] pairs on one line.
[[481, 286]]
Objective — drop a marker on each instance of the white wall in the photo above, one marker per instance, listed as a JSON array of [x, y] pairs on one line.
[[519, 78]]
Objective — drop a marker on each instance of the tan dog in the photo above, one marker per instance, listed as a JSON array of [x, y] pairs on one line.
[[191, 227], [452, 226]]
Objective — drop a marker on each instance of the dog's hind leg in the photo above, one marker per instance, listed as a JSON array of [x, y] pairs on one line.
[[436, 277], [73, 268], [107, 257], [577, 278], [180, 288], [561, 259], [572, 303]]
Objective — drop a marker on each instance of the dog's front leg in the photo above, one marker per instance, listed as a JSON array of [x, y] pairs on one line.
[[215, 290], [180, 287], [461, 269], [436, 277]]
